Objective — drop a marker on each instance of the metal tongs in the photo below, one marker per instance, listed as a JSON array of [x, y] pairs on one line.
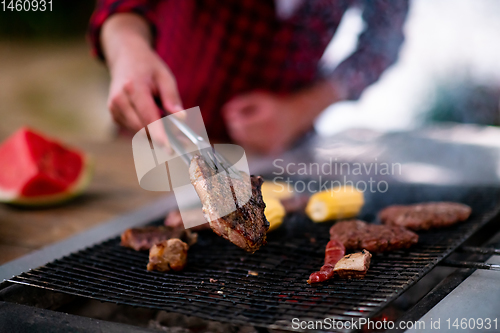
[[474, 264], [213, 159]]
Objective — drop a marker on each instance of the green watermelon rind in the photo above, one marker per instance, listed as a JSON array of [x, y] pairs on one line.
[[14, 198]]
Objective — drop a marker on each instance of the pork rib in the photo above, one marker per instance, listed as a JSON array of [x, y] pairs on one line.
[[354, 265]]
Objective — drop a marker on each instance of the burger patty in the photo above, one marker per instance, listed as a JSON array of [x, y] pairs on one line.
[[358, 235], [425, 216]]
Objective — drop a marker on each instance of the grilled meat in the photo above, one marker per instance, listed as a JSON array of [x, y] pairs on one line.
[[233, 207], [296, 203], [354, 265], [333, 253], [358, 235], [425, 216], [174, 219], [168, 255], [144, 238]]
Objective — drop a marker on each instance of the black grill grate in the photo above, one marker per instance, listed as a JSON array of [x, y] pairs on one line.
[[272, 298]]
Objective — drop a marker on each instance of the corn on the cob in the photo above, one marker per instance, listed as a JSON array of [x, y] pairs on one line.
[[336, 203], [275, 212], [277, 190]]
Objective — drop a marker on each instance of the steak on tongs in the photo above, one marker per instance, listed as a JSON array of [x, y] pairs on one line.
[[233, 207]]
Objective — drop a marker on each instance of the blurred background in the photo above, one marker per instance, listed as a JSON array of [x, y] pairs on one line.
[[448, 71], [48, 79]]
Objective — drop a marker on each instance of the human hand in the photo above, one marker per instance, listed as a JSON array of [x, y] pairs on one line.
[[268, 123], [262, 122], [138, 74]]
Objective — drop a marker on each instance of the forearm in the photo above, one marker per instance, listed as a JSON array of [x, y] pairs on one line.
[[123, 32], [377, 49]]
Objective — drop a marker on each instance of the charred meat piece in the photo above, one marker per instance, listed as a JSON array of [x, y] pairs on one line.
[[358, 235], [174, 219], [425, 216], [233, 207], [354, 265], [296, 203], [333, 253], [168, 255], [144, 238]]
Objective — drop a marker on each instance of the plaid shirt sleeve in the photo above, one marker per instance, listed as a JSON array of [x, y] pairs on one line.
[[106, 8], [378, 46]]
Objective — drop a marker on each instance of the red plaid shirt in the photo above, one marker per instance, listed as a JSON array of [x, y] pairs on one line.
[[221, 48]]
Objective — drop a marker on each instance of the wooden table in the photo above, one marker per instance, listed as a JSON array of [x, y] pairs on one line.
[[113, 191]]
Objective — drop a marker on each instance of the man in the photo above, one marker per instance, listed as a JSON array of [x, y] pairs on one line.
[[251, 65]]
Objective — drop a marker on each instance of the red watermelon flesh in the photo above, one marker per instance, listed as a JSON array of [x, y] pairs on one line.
[[35, 169]]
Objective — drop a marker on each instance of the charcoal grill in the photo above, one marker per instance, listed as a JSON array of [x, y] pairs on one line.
[[267, 289]]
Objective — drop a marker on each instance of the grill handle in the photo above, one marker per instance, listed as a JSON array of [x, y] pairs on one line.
[[480, 250], [470, 264]]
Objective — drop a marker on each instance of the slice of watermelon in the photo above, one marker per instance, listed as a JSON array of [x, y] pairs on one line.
[[35, 170]]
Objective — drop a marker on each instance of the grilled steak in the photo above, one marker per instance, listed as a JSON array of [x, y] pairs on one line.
[[168, 255], [144, 238], [354, 265], [425, 216], [233, 207], [358, 235], [174, 219]]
